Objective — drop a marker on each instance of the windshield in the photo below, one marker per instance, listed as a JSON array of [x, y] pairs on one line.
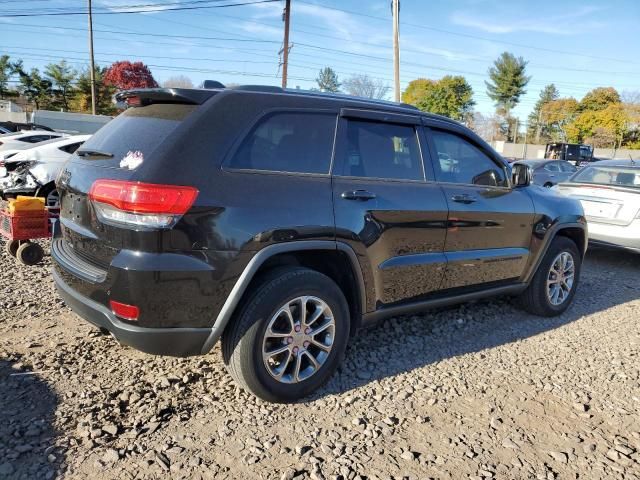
[[609, 175]]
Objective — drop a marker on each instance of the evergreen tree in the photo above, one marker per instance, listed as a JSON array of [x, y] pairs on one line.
[[507, 83], [61, 75], [328, 80], [537, 128]]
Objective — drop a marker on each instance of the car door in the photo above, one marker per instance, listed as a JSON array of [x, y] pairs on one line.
[[387, 207], [489, 223]]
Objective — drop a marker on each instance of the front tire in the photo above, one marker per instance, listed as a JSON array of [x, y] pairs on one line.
[[289, 337], [554, 284]]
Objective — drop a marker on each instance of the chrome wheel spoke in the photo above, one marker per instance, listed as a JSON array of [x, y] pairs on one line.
[[296, 370], [320, 329], [321, 345]]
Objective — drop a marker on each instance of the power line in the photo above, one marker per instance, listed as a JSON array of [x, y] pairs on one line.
[[476, 37], [147, 10]]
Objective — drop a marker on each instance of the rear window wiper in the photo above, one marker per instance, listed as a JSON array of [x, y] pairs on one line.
[[93, 153]]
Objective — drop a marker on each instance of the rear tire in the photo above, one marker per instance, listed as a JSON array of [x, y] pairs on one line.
[[548, 185], [30, 253], [551, 292], [11, 247], [271, 320]]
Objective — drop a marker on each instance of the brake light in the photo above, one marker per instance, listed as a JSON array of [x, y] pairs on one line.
[[134, 101], [144, 205], [122, 310]]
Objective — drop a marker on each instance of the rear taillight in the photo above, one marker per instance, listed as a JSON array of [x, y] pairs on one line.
[[122, 310], [142, 205]]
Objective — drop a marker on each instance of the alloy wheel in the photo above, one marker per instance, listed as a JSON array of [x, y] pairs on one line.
[[298, 339], [560, 278]]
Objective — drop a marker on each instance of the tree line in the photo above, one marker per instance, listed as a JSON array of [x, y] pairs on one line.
[[602, 118], [61, 87]]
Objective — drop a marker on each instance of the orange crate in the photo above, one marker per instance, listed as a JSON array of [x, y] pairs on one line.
[[24, 227]]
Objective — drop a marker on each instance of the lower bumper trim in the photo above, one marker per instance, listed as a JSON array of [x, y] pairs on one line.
[[176, 342]]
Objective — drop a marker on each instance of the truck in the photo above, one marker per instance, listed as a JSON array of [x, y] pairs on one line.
[[578, 154]]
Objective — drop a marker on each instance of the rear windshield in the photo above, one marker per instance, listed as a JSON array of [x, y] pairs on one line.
[[604, 175], [137, 130]]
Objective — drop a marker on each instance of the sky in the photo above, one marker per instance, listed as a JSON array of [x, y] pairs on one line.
[[576, 44]]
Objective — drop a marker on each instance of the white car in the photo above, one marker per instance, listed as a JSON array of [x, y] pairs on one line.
[[33, 172], [609, 191], [26, 139]]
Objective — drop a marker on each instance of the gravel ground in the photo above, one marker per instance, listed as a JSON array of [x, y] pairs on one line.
[[478, 391]]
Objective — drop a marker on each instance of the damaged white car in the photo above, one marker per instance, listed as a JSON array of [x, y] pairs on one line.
[[33, 172]]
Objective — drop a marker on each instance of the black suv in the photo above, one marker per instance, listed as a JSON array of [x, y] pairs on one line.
[[282, 221]]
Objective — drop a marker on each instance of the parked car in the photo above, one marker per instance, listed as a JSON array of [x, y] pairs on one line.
[[33, 172], [18, 126], [197, 215], [24, 140], [610, 195], [548, 173]]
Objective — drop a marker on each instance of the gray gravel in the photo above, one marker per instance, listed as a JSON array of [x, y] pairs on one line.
[[478, 391]]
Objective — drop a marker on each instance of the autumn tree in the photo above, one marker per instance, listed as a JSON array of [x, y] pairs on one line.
[[599, 99], [450, 96], [601, 128], [507, 82], [557, 114], [125, 75], [364, 86], [104, 93], [178, 81], [327, 80], [537, 128], [61, 76]]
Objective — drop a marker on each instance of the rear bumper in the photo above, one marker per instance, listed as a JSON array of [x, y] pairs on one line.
[[177, 342], [627, 236]]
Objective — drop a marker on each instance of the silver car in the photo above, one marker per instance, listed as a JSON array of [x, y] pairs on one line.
[[547, 173], [609, 191]]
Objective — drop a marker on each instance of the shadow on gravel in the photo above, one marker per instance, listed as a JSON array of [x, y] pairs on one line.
[[27, 407], [406, 343]]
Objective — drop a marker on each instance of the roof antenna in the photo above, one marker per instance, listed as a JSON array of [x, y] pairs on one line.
[[633, 162]]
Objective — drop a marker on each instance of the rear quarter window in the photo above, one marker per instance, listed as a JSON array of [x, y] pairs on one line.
[[294, 142], [138, 129]]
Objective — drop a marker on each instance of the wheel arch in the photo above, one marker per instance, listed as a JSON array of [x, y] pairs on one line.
[[575, 231], [311, 254]]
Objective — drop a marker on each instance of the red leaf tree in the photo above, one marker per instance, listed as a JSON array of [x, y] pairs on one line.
[[125, 75]]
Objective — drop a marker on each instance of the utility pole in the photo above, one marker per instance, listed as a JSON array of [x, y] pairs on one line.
[[285, 48], [515, 132], [92, 63], [395, 9]]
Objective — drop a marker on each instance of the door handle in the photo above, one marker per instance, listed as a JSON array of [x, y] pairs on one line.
[[358, 195], [466, 199]]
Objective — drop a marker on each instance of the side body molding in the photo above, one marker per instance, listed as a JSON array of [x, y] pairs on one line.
[[254, 264]]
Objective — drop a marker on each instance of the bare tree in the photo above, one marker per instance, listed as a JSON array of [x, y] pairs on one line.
[[364, 86], [486, 126], [630, 97], [179, 81]]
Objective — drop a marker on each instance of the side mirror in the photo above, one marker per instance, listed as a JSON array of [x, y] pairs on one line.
[[520, 175]]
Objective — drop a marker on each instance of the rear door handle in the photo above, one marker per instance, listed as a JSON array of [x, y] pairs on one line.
[[358, 195], [467, 199]]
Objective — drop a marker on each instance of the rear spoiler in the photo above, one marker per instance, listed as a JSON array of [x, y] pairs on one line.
[[147, 96]]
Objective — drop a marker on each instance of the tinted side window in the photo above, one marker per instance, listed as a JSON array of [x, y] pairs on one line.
[[381, 150], [567, 167], [552, 167], [460, 161], [70, 148], [300, 142]]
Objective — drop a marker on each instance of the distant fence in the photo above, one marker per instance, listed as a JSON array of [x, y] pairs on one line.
[[530, 150]]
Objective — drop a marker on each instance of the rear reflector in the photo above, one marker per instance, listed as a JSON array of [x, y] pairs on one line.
[[122, 310], [141, 204]]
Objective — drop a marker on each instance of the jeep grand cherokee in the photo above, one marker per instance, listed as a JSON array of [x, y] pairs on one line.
[[282, 221]]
